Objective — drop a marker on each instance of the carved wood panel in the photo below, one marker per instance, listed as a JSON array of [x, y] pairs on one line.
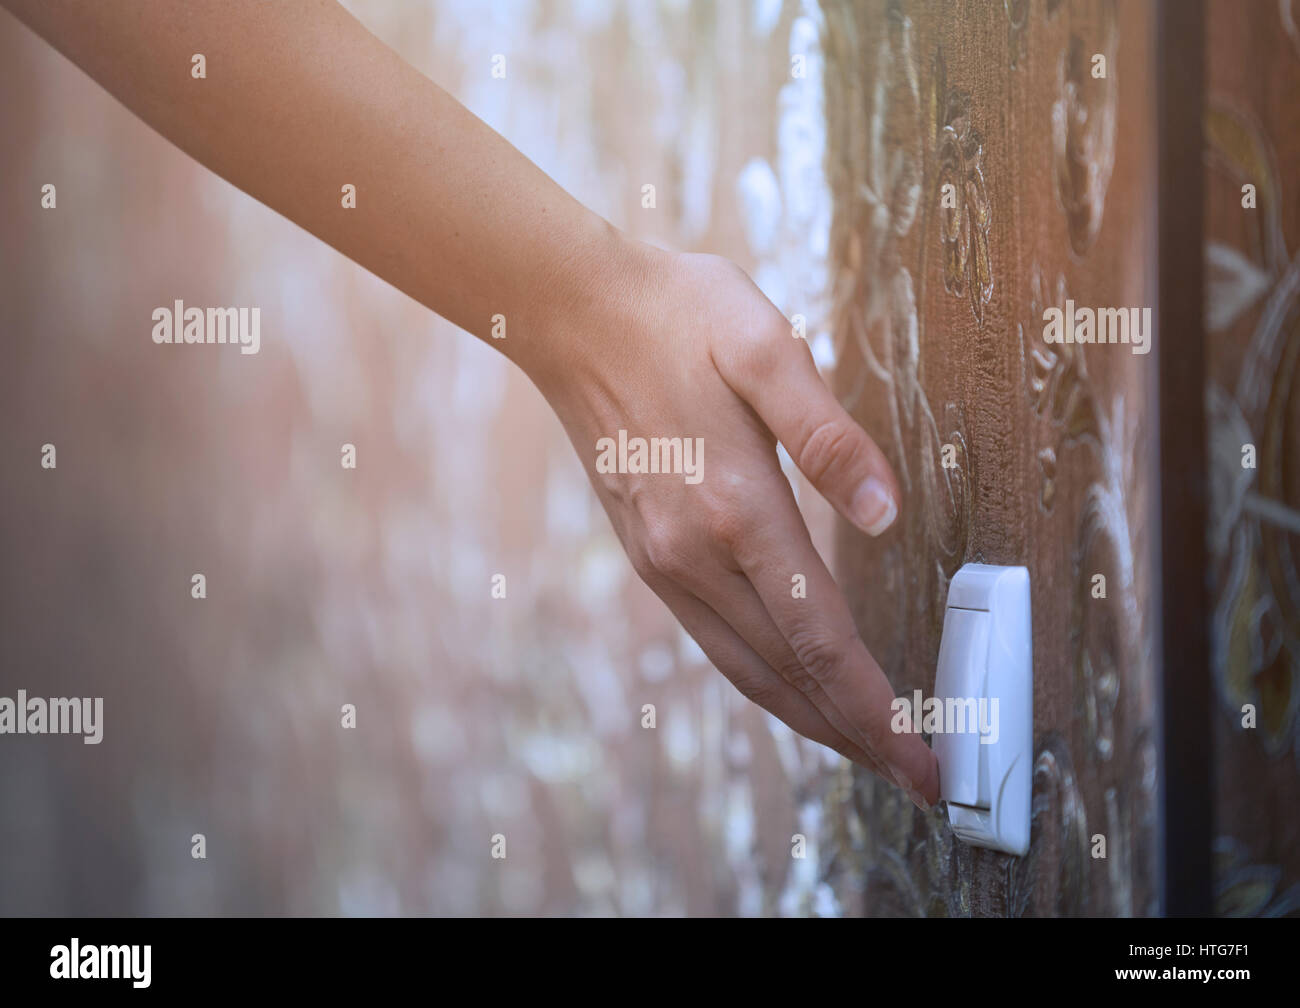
[[939, 295], [1252, 322]]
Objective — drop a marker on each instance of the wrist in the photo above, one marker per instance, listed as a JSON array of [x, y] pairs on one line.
[[586, 296]]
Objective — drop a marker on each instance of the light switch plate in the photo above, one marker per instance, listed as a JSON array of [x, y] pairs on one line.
[[985, 686]]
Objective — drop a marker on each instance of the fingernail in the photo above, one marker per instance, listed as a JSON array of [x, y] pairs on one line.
[[873, 507], [905, 782]]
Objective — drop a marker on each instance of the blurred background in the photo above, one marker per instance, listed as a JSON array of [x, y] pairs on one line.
[[474, 716]]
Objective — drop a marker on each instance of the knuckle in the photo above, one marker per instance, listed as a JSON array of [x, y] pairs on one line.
[[801, 678], [759, 355], [821, 656], [757, 689], [644, 569], [664, 553], [831, 445], [754, 353], [727, 523]]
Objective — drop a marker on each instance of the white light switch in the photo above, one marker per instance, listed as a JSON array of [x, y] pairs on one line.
[[984, 686], [963, 673]]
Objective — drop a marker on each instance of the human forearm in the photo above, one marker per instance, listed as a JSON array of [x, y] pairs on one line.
[[299, 100]]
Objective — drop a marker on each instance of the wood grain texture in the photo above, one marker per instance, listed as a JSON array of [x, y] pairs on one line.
[[938, 322]]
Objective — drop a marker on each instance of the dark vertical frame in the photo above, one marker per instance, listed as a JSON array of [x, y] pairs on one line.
[[1186, 791]]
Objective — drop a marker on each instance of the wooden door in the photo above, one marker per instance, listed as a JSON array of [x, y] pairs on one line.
[[989, 161]]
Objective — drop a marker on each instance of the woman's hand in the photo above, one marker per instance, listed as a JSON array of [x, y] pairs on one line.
[[685, 346], [617, 335]]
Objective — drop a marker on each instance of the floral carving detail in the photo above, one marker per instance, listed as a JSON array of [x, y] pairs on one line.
[[889, 331], [1083, 136], [964, 209], [1286, 10], [1053, 869], [1056, 377], [1017, 26], [1255, 513], [1104, 439], [1244, 889]]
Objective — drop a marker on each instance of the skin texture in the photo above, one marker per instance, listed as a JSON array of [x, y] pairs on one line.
[[300, 97]]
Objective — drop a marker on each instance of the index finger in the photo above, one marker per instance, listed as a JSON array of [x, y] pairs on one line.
[[820, 631]]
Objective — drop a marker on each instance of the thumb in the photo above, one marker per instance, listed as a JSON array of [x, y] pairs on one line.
[[829, 447]]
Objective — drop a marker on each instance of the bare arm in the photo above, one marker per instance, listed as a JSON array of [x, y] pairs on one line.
[[300, 99]]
